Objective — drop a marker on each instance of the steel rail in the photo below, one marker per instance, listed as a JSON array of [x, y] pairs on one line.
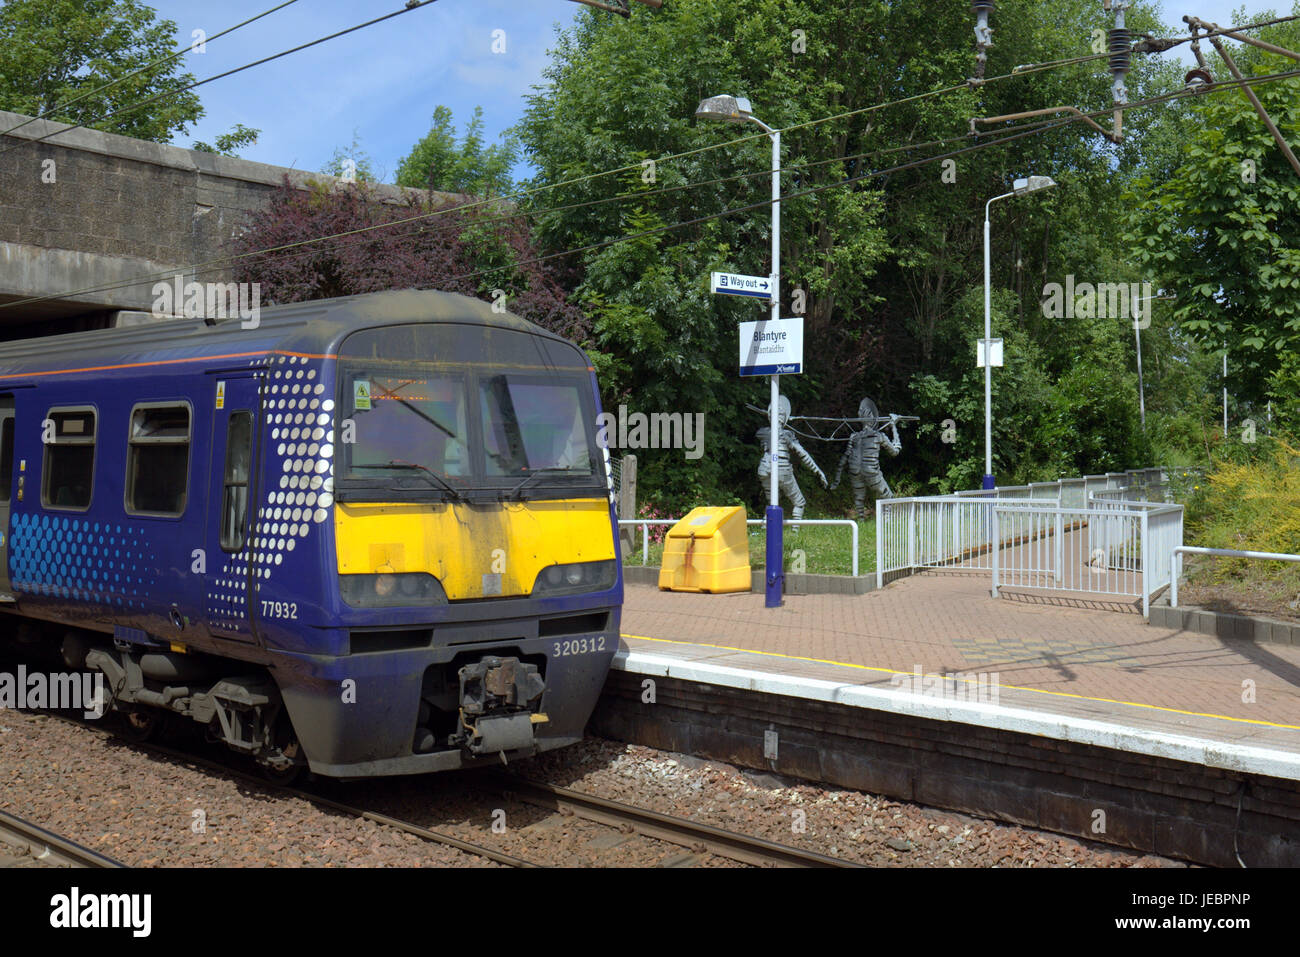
[[50, 847], [664, 827], [433, 837], [436, 837], [651, 824]]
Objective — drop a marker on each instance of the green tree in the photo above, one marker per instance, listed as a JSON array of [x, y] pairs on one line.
[[892, 265], [351, 163], [439, 161], [226, 144], [55, 51], [1222, 229]]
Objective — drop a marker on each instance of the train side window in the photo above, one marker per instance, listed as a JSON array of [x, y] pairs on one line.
[[158, 459], [68, 472], [234, 496], [6, 459]]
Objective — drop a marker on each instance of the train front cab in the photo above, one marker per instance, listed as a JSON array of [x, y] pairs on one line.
[[474, 555]]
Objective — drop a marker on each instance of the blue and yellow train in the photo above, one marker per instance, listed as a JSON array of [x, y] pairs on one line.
[[367, 536]]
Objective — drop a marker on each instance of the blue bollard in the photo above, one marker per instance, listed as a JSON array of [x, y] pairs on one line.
[[775, 559]]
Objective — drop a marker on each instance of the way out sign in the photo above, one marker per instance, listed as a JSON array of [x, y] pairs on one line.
[[734, 284], [771, 347]]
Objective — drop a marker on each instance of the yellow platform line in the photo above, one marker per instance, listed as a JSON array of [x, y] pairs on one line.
[[1057, 694]]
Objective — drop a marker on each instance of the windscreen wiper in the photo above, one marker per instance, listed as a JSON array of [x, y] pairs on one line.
[[395, 464], [538, 473], [426, 416]]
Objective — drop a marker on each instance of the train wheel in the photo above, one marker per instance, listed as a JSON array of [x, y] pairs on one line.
[[141, 725], [285, 776]]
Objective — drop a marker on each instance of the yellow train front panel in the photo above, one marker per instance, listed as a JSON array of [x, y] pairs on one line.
[[486, 550]]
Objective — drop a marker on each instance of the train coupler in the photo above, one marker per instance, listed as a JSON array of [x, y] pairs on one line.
[[498, 699]]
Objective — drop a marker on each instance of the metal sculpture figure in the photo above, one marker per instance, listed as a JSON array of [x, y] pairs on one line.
[[785, 444], [863, 457]]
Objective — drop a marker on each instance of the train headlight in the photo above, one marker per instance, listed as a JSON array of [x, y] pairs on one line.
[[575, 578], [407, 588]]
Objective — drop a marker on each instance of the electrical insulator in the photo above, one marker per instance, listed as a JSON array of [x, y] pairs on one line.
[[1121, 51], [1198, 80], [983, 33], [1121, 46]]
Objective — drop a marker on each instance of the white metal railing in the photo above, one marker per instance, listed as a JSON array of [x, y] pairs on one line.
[[1176, 559], [645, 524], [1116, 549], [1108, 545], [1142, 492], [939, 531], [1075, 492]]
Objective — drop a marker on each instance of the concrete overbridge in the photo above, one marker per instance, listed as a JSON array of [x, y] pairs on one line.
[[84, 209]]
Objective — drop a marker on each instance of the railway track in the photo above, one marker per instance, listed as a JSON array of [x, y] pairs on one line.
[[436, 837], [663, 827], [682, 832], [207, 764], [51, 848]]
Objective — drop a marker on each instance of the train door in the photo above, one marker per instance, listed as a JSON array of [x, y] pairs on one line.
[[6, 490], [232, 504]]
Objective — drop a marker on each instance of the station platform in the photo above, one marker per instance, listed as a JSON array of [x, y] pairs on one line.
[[1134, 715]]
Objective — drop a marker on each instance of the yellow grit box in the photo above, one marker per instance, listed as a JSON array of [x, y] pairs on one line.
[[707, 551]]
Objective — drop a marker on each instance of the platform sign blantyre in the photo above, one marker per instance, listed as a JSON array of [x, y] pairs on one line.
[[771, 347]]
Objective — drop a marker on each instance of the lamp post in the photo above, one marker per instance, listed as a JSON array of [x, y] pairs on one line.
[[1020, 187], [732, 109], [1225, 390], [1137, 335]]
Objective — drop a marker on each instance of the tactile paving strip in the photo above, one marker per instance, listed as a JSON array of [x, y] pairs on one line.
[[1018, 650]]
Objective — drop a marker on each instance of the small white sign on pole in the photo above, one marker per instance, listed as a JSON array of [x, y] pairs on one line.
[[990, 346], [734, 284], [771, 347]]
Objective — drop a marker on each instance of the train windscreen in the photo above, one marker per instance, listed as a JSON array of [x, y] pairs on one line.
[[465, 411]]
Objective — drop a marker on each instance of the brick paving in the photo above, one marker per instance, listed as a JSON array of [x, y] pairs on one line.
[[1095, 659]]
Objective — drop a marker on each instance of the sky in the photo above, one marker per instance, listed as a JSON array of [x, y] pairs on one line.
[[381, 84]]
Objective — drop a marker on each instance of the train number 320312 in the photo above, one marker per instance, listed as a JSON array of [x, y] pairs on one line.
[[579, 646]]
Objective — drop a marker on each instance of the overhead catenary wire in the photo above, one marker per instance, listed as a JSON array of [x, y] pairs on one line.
[[131, 107], [1018, 133], [527, 213], [524, 193], [587, 177], [161, 61], [416, 4], [289, 248], [494, 200], [1015, 134]]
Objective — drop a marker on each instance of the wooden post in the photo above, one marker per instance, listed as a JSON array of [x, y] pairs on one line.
[[627, 502]]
